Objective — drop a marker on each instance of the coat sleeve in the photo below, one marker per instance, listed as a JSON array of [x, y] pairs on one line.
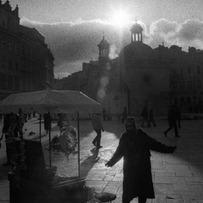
[[158, 146], [118, 153]]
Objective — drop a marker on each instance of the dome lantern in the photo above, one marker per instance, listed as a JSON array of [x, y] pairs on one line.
[[103, 50], [136, 33]]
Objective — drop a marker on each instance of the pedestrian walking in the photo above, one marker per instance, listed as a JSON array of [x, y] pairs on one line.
[[47, 122], [172, 121], [151, 118], [134, 146], [178, 116], [98, 127], [104, 114], [144, 115]]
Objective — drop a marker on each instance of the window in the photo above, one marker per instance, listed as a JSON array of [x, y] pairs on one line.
[[3, 62], [189, 70], [189, 85], [10, 82], [16, 65], [181, 71], [174, 85], [22, 50], [3, 81], [198, 69], [182, 101], [16, 83], [16, 49], [182, 85], [198, 84], [3, 44], [9, 47], [10, 65]]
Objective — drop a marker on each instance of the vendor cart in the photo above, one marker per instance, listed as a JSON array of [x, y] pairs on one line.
[[30, 179]]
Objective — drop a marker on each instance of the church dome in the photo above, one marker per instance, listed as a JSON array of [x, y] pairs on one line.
[[137, 50], [136, 28], [134, 53]]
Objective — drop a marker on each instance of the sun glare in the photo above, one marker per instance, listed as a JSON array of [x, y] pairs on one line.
[[120, 18]]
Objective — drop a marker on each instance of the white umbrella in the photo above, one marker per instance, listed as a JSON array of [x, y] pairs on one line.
[[49, 100]]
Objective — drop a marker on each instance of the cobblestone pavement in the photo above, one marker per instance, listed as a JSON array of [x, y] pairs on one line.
[[177, 177]]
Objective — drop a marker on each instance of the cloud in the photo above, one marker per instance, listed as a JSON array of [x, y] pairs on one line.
[[73, 43], [190, 30], [187, 33]]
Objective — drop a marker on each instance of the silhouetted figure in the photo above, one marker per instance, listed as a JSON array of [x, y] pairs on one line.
[[6, 125], [104, 114], [10, 131], [14, 123], [178, 116], [61, 118], [47, 122], [134, 146], [151, 118], [144, 115], [98, 127], [172, 121], [124, 115], [21, 121]]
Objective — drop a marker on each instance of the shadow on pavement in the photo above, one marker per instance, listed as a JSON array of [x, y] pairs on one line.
[[88, 163]]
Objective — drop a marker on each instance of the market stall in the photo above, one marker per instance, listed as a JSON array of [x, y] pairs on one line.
[[54, 101]]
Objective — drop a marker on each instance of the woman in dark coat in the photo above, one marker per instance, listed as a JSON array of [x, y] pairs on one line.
[[135, 146]]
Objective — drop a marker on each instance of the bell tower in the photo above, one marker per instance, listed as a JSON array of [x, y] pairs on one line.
[[136, 33], [103, 50]]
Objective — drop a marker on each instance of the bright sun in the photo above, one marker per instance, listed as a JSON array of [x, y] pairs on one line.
[[120, 18]]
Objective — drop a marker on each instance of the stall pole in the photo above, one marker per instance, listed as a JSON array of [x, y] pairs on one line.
[[50, 149], [40, 127], [78, 126]]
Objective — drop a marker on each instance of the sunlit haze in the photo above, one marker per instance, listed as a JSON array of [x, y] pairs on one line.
[[120, 18]]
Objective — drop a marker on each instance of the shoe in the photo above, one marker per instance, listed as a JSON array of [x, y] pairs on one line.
[[99, 147], [165, 134]]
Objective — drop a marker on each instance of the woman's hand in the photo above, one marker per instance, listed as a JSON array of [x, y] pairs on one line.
[[108, 164]]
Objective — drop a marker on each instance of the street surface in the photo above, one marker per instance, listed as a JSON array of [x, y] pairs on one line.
[[177, 177]]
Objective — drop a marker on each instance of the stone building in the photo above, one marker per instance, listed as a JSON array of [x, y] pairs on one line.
[[26, 63], [186, 83], [142, 76]]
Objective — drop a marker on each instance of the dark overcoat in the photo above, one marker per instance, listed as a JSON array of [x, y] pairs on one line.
[[135, 148]]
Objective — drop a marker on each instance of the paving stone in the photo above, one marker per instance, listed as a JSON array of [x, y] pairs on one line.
[[4, 190], [111, 189]]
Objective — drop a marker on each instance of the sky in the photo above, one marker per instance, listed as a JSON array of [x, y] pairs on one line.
[[73, 28]]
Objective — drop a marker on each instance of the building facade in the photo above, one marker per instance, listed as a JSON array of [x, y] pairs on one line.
[[142, 76], [26, 63], [186, 80]]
